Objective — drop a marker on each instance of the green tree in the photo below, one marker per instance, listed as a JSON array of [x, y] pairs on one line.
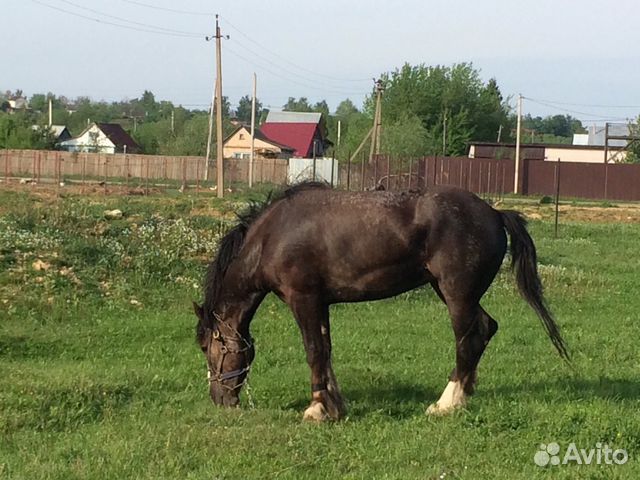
[[452, 103], [243, 112], [633, 148], [299, 105]]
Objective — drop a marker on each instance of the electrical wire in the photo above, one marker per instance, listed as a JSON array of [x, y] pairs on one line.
[[106, 22], [286, 60], [68, 2], [336, 89], [583, 104], [283, 77], [165, 9], [594, 116]]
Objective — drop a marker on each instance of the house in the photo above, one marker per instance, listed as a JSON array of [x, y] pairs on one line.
[[102, 138], [541, 151], [60, 133], [304, 132], [238, 145], [16, 104]]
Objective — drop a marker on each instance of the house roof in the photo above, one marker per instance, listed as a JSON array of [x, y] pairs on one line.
[[259, 136], [118, 136], [298, 135], [294, 117], [58, 130]]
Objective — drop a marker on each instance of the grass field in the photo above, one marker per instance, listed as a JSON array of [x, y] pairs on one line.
[[101, 377]]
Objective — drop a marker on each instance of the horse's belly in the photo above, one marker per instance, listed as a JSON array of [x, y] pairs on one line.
[[377, 283]]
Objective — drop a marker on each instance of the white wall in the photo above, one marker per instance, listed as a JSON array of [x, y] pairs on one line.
[[301, 169], [91, 140]]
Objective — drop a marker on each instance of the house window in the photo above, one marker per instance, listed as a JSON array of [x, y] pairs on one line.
[[237, 155], [242, 136], [246, 156]]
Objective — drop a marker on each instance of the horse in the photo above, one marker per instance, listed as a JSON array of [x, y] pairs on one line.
[[314, 246]]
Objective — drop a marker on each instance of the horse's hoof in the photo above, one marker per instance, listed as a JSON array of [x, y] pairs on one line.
[[436, 410], [316, 413]]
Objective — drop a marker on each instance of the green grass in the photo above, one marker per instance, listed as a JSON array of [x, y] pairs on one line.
[[101, 377]]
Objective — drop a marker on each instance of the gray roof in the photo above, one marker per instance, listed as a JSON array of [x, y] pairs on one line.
[[293, 117]]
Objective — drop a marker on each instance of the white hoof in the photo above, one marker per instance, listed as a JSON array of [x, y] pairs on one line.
[[316, 413], [452, 398], [436, 410]]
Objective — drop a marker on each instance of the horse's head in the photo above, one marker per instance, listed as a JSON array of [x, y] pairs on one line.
[[229, 356]]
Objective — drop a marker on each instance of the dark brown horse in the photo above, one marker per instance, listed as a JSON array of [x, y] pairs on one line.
[[314, 246]]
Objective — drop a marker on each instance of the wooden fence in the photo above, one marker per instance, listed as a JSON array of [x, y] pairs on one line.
[[495, 177], [483, 176], [55, 166]]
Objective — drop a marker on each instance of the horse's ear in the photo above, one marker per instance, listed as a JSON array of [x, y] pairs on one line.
[[199, 311]]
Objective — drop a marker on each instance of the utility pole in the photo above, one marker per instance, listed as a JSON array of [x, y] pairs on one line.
[[444, 133], [172, 122], [253, 130], [50, 112], [220, 158], [516, 175], [207, 155], [500, 133], [377, 121]]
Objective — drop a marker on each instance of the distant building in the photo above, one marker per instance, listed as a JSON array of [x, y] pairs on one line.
[[238, 145], [60, 133], [541, 151], [304, 132], [18, 103], [102, 138]]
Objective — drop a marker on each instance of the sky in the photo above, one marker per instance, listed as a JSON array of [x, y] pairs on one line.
[[580, 58]]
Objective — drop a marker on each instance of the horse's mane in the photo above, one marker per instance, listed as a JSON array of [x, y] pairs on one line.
[[231, 244]]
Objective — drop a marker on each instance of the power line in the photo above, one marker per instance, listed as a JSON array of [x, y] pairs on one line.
[[131, 21], [283, 77], [128, 27], [595, 116], [289, 72], [284, 59], [172, 10], [583, 104]]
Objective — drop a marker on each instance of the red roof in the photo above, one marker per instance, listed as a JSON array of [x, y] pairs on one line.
[[298, 136]]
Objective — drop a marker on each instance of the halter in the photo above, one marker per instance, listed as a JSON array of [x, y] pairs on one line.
[[217, 375]]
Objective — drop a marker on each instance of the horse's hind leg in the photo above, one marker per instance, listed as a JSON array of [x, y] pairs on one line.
[[313, 319], [473, 328]]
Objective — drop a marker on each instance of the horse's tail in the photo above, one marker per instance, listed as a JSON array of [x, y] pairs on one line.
[[524, 262]]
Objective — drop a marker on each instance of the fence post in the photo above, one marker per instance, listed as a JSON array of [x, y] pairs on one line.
[[197, 177], [557, 197], [348, 171], [84, 168], [333, 161], [363, 172], [106, 173], [6, 166], [388, 171], [126, 169], [314, 161]]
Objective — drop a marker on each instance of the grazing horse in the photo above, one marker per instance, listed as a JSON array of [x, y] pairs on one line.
[[314, 246]]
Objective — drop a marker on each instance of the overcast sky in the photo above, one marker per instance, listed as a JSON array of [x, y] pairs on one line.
[[576, 57]]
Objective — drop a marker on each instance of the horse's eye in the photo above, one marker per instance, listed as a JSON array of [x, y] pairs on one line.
[[204, 349]]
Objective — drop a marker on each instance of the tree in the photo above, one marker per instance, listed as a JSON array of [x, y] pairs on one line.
[[243, 112], [633, 148], [346, 109], [452, 98], [300, 105]]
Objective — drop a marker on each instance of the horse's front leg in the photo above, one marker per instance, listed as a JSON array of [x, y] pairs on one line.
[[312, 316]]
